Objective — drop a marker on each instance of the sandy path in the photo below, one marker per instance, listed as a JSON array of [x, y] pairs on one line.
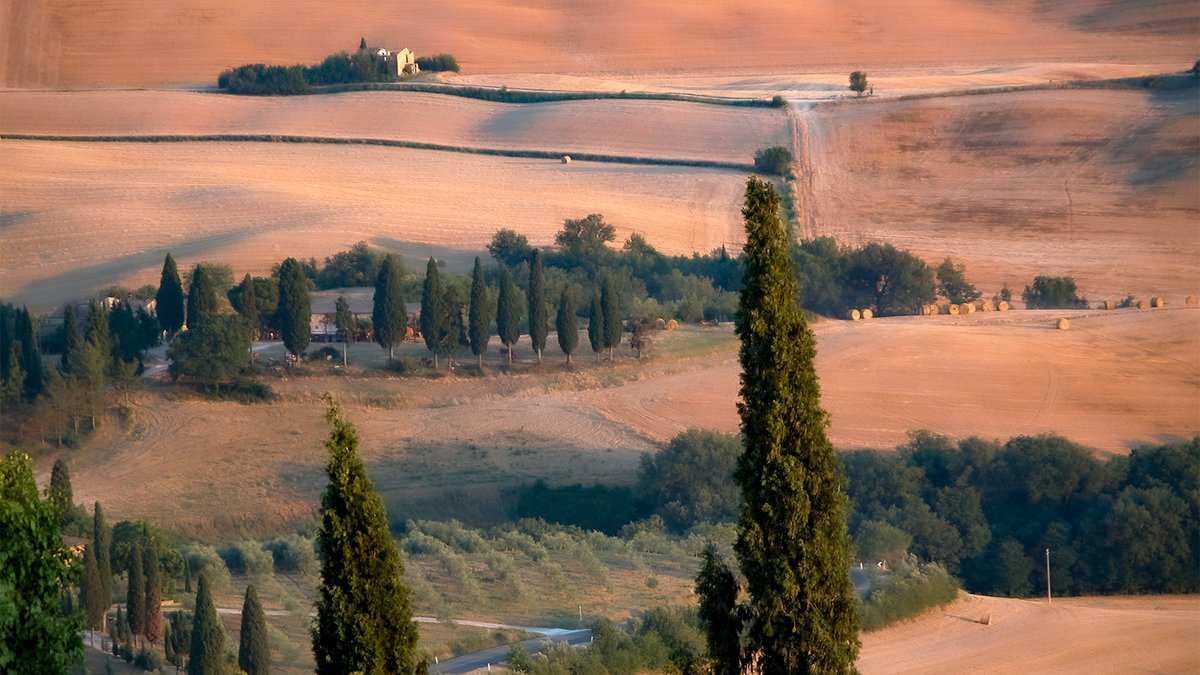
[[1071, 635]]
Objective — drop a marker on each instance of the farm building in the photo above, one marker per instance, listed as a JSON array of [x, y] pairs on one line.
[[402, 62]]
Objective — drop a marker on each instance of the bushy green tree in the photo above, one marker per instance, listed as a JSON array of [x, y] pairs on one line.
[[792, 543], [364, 619], [509, 247], [207, 652], [953, 284], [858, 82], [567, 323], [36, 635], [508, 314], [891, 280], [481, 314], [169, 298], [202, 302], [295, 308], [690, 481], [717, 588], [254, 649], [1048, 292], [212, 354], [585, 240], [388, 316], [539, 316], [774, 161], [358, 266]]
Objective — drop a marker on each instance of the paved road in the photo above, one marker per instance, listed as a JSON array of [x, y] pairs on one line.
[[480, 660]]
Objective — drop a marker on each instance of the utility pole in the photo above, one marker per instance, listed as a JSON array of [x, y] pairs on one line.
[[1048, 599]]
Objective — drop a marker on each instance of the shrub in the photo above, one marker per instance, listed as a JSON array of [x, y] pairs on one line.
[[1052, 293], [774, 161], [293, 553], [907, 591], [247, 557], [260, 79], [202, 558], [438, 63]]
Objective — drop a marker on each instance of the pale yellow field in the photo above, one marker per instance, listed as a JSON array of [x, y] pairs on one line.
[[83, 215], [1147, 634], [79, 43]]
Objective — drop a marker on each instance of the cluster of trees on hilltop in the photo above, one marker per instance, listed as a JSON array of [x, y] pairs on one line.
[[341, 68]]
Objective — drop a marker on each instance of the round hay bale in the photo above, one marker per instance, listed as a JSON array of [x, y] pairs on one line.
[[988, 306], [853, 315], [1109, 305], [1002, 306], [672, 324], [566, 159], [660, 323], [924, 310], [1142, 304], [933, 309], [1063, 324], [966, 308], [952, 309], [868, 314], [1158, 301], [1191, 300]]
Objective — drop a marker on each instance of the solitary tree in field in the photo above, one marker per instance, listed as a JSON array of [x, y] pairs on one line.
[[479, 319], [953, 284], [567, 323], [611, 308], [254, 651], [596, 325], [792, 543], [858, 82], [207, 653], [202, 304], [295, 309], [508, 314], [344, 320], [539, 318], [388, 316], [169, 298], [364, 619]]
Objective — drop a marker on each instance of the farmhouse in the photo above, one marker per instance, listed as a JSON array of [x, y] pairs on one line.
[[403, 62]]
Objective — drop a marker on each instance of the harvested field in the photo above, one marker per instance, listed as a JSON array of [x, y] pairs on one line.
[[638, 128], [1099, 185], [79, 216], [72, 43], [1150, 633]]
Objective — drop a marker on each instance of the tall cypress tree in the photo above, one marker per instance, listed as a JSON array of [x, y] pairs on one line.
[[596, 325], [248, 304], [792, 543], [539, 318], [479, 318], [95, 329], [135, 597], [508, 313], [254, 652], [295, 309], [566, 324], [207, 653], [388, 316], [94, 604], [611, 308], [202, 303], [717, 589], [364, 619], [168, 301], [101, 538], [31, 356], [60, 493], [72, 336], [434, 318], [152, 624]]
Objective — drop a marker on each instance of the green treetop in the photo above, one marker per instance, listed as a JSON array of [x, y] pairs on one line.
[[295, 309], [567, 323], [479, 319], [508, 313], [207, 653], [539, 318], [169, 298], [254, 650], [388, 317]]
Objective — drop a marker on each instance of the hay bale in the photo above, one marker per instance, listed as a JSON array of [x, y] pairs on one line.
[[660, 323], [1158, 301], [1142, 304], [933, 309], [672, 324], [988, 306], [867, 314], [952, 309], [1003, 306], [1063, 324], [926, 310], [1109, 305], [966, 308], [1191, 300], [853, 315], [566, 159]]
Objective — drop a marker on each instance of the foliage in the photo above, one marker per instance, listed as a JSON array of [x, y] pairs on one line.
[[1052, 293], [717, 588], [60, 494], [388, 316], [152, 619], [508, 313], [36, 634], [690, 481], [293, 553], [169, 298], [585, 240], [774, 161], [792, 544], [539, 317], [566, 323], [295, 309], [202, 301], [202, 559], [509, 247], [101, 540], [135, 597], [248, 557], [858, 82], [438, 63], [438, 327], [207, 652], [595, 328], [953, 284], [364, 619], [258, 302], [260, 79], [214, 353], [892, 281], [481, 313], [600, 508], [907, 590], [358, 266], [254, 650], [178, 638], [610, 312]]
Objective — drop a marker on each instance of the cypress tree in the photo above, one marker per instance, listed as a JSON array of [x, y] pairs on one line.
[[123, 327], [295, 310], [611, 309], [538, 316], [9, 358], [717, 588], [479, 319], [248, 304], [152, 624], [388, 315], [792, 543], [95, 329], [178, 637], [31, 356], [344, 320], [72, 336], [202, 303], [254, 652], [168, 300], [435, 319], [101, 539], [364, 619], [508, 314], [567, 324], [135, 597], [60, 493], [207, 653], [596, 325], [169, 645], [94, 604]]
